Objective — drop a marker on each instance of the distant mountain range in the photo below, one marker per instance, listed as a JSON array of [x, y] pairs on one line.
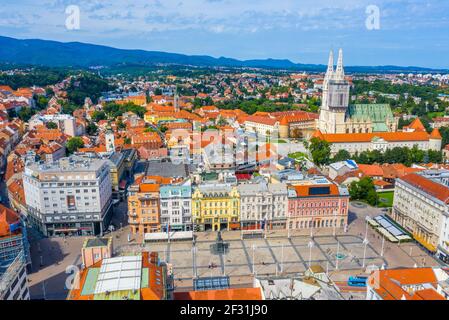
[[82, 55]]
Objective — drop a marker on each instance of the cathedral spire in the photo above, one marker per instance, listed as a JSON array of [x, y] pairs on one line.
[[330, 65], [340, 73]]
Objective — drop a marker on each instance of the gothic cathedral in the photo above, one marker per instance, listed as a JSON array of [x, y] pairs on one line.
[[337, 116]]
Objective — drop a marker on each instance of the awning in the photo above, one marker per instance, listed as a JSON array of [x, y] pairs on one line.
[[234, 225], [66, 230], [425, 244]]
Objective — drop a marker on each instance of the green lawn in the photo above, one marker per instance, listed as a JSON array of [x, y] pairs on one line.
[[385, 199], [297, 155], [432, 115], [279, 141]]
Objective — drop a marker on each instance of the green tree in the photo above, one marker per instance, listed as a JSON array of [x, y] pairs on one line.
[[341, 156], [415, 155], [51, 125], [364, 190], [121, 125], [91, 129], [434, 156], [74, 144], [41, 102], [98, 116], [86, 85], [25, 114], [320, 150]]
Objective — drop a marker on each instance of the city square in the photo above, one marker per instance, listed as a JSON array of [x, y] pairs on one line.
[[275, 255]]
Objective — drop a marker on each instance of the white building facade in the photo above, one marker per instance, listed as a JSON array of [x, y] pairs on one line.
[[69, 197], [176, 206], [262, 206], [421, 205]]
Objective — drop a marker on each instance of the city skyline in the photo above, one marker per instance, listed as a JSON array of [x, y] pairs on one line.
[[408, 33]]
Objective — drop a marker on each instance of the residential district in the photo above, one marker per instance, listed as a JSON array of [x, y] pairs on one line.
[[192, 184]]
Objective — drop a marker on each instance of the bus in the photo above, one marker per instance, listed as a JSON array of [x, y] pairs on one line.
[[357, 281]]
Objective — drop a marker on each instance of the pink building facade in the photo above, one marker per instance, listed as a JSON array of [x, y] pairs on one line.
[[317, 206]]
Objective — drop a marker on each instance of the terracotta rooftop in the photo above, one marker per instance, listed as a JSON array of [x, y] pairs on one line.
[[225, 294], [393, 284], [368, 137], [430, 187]]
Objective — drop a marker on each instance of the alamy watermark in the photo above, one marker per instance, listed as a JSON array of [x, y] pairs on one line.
[[372, 21], [73, 20]]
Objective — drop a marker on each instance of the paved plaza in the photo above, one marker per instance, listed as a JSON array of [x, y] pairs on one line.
[[341, 255]]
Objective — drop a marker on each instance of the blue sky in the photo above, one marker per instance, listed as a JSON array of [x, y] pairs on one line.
[[412, 32]]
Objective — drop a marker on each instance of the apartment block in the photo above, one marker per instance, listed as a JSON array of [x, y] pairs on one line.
[[69, 197]]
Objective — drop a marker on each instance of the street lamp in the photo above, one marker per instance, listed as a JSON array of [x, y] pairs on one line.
[[337, 255], [311, 230], [310, 245], [335, 221], [366, 227], [383, 244], [365, 242], [195, 271], [282, 258]]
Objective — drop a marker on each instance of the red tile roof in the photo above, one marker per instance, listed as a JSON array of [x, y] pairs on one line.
[[391, 284], [430, 187], [367, 137], [225, 294]]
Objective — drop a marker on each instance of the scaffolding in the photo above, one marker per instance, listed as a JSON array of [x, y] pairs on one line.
[[14, 244], [9, 272]]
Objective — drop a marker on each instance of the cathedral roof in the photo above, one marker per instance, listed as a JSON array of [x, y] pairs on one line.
[[378, 114]]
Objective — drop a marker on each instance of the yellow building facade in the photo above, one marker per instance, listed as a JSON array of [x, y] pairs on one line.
[[216, 207]]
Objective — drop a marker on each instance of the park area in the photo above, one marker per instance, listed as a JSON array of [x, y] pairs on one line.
[[385, 199]]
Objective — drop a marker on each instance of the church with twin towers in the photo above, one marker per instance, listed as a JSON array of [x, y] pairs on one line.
[[337, 115]]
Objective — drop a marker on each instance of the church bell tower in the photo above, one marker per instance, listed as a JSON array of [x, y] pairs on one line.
[[335, 99]]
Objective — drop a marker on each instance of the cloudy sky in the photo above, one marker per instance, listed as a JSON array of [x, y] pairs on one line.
[[411, 32]]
